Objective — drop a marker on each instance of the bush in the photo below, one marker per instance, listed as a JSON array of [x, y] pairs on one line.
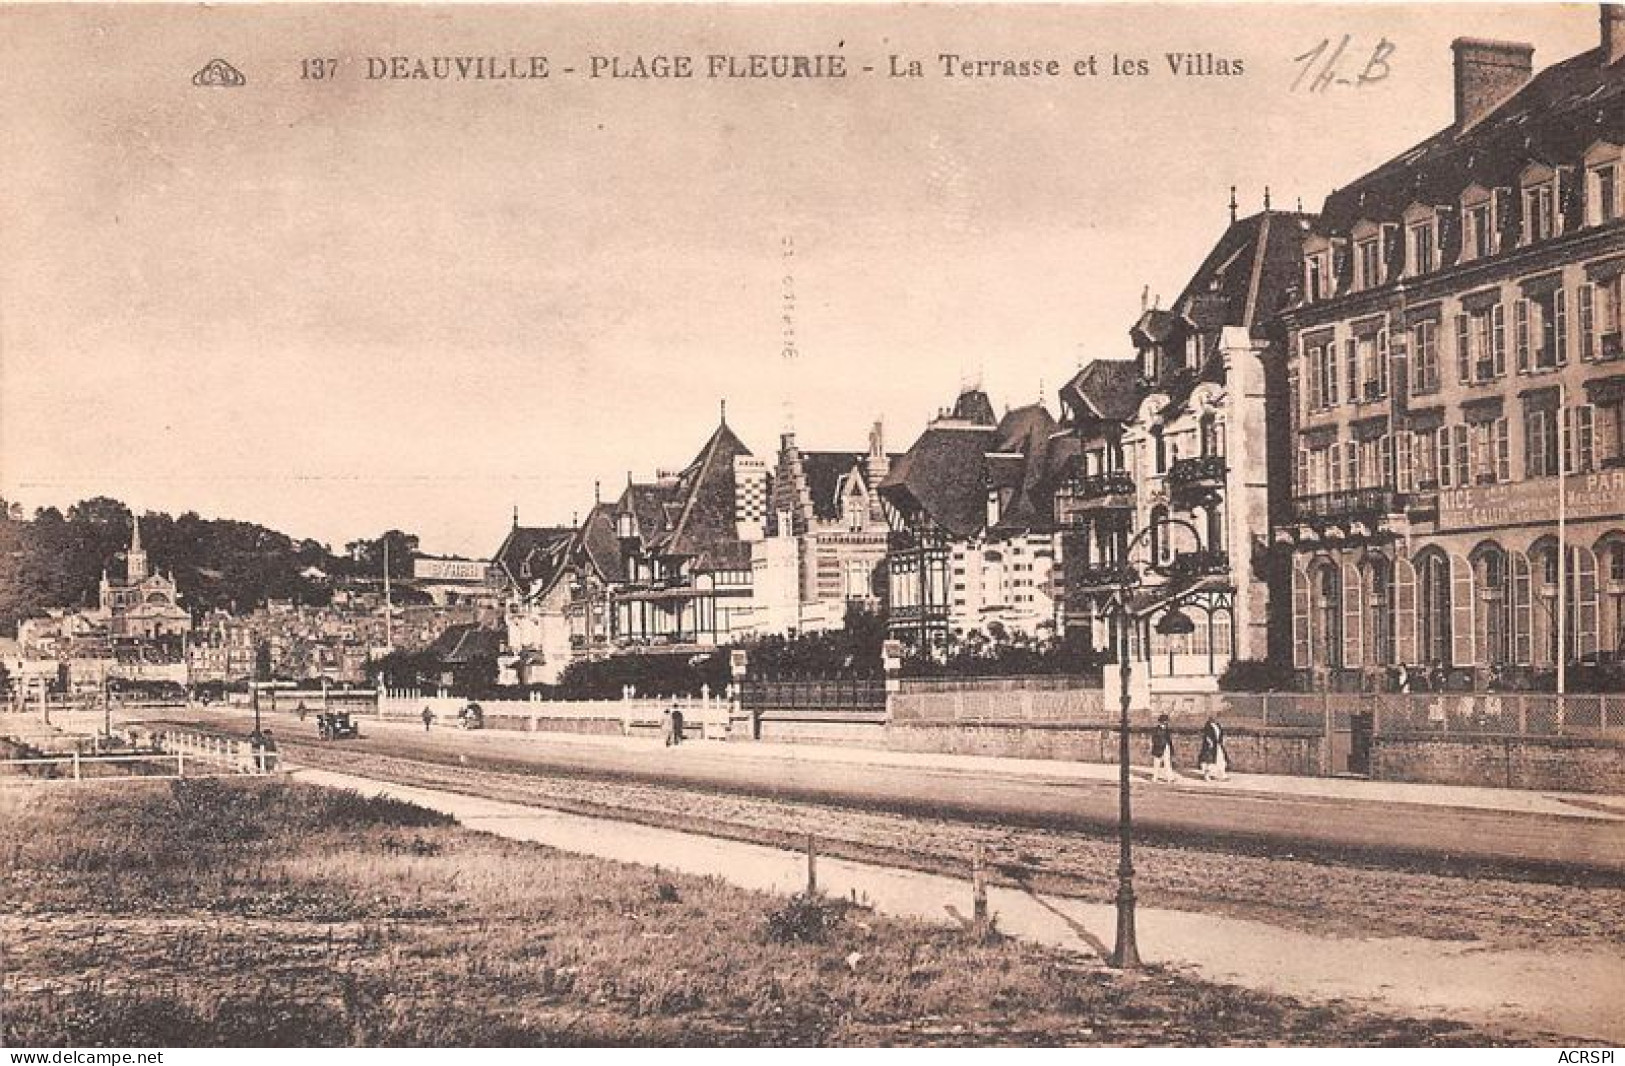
[[805, 919], [1257, 675]]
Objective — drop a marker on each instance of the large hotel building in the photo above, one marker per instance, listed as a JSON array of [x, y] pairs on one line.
[[1457, 378]]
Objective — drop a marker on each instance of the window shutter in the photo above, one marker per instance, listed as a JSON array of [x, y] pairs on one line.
[[1503, 451], [1351, 356], [1393, 251], [1464, 474], [1585, 603], [1449, 234], [1463, 614], [1383, 355], [1498, 339], [1444, 470], [1508, 220], [1353, 615], [1571, 192], [1303, 471], [1404, 611], [1582, 430], [1521, 593], [1300, 619], [1560, 330], [1464, 355], [1342, 265], [1386, 475], [1588, 339], [1351, 459], [1404, 473], [1520, 318], [1329, 375]]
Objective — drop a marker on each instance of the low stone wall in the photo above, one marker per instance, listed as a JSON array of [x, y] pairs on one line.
[[1255, 751], [1565, 764], [852, 734]]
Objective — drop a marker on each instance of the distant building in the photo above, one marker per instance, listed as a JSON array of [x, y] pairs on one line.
[[686, 549], [1458, 382], [828, 506], [973, 546], [141, 610]]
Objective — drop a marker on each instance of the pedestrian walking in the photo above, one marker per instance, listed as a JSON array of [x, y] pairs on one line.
[[1162, 750], [665, 726], [676, 725], [428, 717], [1212, 760]]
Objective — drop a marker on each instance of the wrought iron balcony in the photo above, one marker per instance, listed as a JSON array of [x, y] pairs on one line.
[[1197, 471], [1189, 565], [1102, 576], [1112, 490], [1368, 503]]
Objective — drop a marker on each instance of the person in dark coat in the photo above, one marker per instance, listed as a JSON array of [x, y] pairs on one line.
[[428, 717], [1162, 750], [1212, 760], [676, 725]]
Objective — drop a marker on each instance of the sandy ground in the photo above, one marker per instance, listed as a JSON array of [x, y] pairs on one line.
[[1572, 992]]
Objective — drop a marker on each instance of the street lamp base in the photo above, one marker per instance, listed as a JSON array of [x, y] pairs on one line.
[[1126, 956]]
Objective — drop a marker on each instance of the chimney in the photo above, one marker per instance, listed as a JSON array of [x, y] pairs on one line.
[[1487, 72], [1613, 33]]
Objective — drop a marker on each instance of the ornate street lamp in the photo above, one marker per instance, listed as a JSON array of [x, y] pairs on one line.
[[1174, 622]]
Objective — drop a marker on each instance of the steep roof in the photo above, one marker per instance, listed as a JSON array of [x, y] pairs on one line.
[[943, 474], [974, 406], [694, 513], [1553, 119], [949, 471], [597, 544], [1109, 389], [528, 552], [465, 642], [1246, 276]]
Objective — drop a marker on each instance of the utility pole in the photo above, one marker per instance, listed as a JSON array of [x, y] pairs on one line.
[[1562, 543], [389, 610]]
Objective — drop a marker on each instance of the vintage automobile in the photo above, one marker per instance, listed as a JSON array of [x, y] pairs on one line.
[[336, 725]]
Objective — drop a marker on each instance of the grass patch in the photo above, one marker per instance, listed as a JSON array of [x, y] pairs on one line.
[[227, 913]]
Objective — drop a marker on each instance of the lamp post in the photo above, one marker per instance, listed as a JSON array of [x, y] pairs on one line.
[[1126, 954]]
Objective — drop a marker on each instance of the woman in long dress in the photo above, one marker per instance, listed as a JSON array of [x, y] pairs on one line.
[[1212, 760]]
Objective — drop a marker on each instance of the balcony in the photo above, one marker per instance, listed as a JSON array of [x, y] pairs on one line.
[[1100, 576], [1369, 503], [1110, 491], [1190, 565], [1197, 474]]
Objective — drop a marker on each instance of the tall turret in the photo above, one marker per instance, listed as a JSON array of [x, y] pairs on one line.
[[137, 570]]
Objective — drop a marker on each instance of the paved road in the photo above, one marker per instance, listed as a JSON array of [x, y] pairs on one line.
[[1192, 814]]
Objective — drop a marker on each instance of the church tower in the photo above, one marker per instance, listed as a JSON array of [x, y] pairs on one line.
[[137, 570]]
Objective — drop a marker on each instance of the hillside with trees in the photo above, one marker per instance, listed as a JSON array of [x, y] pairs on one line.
[[55, 559]]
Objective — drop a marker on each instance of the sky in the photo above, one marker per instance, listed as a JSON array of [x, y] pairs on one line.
[[345, 305]]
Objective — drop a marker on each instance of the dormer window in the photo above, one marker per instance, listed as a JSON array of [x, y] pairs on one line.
[[1421, 240], [623, 525], [1477, 224], [1539, 185], [1317, 270], [1603, 165], [1366, 238]]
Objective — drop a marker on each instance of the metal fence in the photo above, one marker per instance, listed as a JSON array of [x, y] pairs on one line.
[[858, 694]]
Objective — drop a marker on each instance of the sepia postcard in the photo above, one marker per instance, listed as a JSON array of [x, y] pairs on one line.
[[811, 525]]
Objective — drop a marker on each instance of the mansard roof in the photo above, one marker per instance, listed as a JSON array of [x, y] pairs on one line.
[[951, 468], [1553, 119]]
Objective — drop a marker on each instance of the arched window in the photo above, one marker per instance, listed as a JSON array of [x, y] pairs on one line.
[[1490, 569], [1433, 608], [1611, 574], [1326, 592]]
